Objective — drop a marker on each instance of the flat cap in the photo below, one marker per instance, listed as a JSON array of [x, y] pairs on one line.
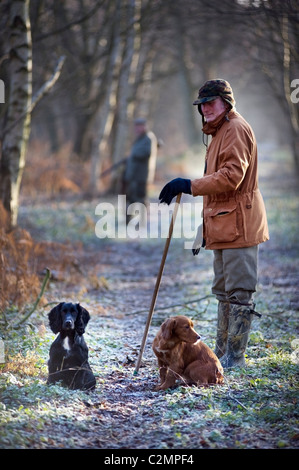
[[212, 89]]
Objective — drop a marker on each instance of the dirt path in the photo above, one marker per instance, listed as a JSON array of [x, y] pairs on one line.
[[255, 408], [125, 411]]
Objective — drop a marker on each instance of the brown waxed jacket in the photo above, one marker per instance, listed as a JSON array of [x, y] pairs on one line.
[[233, 208]]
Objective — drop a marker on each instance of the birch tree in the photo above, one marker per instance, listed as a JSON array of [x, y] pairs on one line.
[[20, 105], [17, 123]]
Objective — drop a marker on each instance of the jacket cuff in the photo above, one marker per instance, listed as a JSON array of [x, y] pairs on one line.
[[194, 188]]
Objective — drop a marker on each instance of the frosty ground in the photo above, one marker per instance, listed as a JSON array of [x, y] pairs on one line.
[[257, 407]]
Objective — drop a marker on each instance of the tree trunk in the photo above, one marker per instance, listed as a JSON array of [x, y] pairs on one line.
[[295, 147], [17, 129], [186, 88], [104, 117], [124, 94], [292, 107]]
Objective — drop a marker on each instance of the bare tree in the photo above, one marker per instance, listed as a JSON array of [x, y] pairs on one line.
[[272, 29], [282, 32], [20, 105], [123, 90], [105, 113], [17, 124], [269, 37], [121, 56]]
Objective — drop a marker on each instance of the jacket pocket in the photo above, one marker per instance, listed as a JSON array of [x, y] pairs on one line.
[[221, 224]]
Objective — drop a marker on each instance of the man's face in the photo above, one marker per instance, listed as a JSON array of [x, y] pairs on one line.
[[139, 129], [212, 109]]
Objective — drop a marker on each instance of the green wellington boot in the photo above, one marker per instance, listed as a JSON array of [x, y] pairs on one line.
[[222, 328], [240, 318]]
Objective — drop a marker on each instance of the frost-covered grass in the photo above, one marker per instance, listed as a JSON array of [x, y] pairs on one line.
[[257, 407]]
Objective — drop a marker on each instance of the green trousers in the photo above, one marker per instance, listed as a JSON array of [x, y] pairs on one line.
[[235, 274]]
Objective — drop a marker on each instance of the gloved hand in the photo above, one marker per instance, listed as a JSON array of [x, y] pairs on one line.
[[173, 188]]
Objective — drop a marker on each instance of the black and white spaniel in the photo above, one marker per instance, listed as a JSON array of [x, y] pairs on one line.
[[68, 360]]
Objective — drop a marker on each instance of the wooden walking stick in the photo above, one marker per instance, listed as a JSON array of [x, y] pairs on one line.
[[158, 281]]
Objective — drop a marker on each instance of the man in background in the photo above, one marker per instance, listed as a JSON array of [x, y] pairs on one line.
[[141, 164]]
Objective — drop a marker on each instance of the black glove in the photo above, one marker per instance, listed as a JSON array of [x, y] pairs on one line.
[[173, 188]]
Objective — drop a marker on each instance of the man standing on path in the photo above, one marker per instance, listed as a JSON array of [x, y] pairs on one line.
[[141, 163], [234, 216]]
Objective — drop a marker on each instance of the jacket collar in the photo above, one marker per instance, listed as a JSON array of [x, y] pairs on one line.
[[212, 127]]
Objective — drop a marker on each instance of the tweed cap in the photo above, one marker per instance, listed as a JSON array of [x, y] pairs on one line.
[[139, 121], [212, 89]]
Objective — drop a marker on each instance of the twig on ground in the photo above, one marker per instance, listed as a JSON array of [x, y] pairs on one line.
[[173, 305]]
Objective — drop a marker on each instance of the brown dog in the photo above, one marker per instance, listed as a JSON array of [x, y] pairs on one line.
[[181, 355]]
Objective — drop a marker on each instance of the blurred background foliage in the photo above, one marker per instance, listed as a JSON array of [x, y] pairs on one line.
[[129, 58]]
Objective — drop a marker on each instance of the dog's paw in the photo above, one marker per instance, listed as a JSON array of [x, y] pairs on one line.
[[163, 387], [160, 387]]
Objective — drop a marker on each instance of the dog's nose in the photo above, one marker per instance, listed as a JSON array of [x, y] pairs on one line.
[[68, 323], [198, 337]]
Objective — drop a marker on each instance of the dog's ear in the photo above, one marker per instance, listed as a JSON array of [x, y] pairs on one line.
[[81, 320], [167, 328], [55, 318]]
